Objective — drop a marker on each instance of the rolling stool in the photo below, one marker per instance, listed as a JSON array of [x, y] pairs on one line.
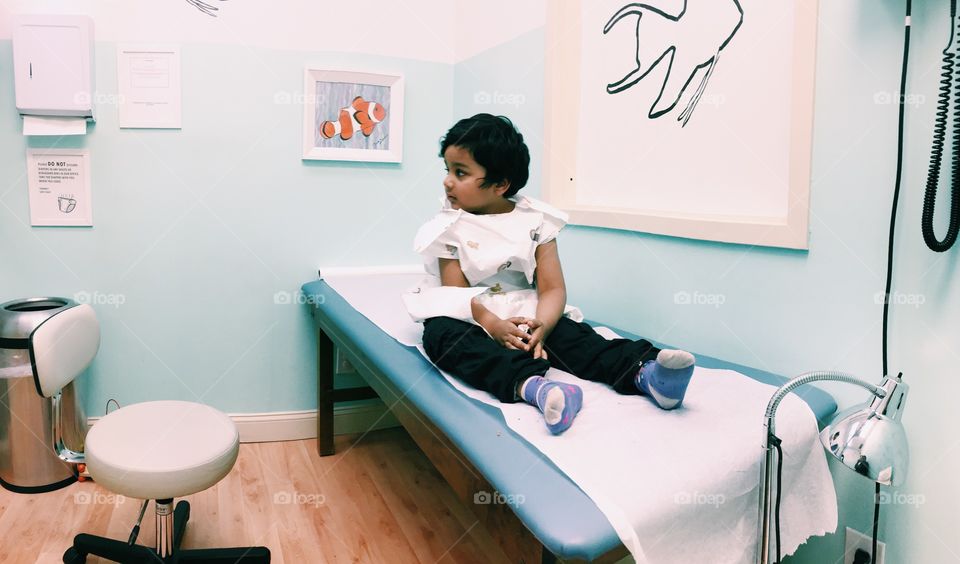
[[155, 450], [161, 450]]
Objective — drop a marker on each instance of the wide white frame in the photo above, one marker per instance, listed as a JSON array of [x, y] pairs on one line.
[[394, 81], [562, 107]]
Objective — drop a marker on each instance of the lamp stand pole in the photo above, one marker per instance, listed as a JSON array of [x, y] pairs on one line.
[[766, 464]]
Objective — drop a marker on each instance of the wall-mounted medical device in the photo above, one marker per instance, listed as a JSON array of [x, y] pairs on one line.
[[53, 65]]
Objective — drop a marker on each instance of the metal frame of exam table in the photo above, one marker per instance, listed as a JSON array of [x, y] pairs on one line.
[[515, 539]]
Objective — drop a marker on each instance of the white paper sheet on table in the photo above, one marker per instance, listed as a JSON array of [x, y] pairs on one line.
[[677, 486]]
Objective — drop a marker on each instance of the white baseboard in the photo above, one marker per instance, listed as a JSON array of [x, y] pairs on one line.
[[297, 425]]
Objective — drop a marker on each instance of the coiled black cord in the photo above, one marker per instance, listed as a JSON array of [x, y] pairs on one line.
[[936, 155]]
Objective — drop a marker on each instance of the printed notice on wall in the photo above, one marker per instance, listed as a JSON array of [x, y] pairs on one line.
[[59, 184], [148, 80]]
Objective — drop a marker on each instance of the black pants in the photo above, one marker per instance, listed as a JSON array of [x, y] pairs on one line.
[[466, 351]]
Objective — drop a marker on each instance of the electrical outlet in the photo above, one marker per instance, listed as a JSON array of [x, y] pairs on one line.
[[856, 540], [342, 365]]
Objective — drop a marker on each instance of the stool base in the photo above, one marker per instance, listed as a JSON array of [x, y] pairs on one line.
[[118, 551]]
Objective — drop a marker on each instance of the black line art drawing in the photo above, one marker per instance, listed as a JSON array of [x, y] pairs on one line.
[[206, 8], [66, 205], [688, 42]]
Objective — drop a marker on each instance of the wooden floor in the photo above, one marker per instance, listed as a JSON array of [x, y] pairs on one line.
[[377, 500]]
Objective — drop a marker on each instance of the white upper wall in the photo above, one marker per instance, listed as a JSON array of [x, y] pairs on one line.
[[482, 25], [429, 30], [415, 29]]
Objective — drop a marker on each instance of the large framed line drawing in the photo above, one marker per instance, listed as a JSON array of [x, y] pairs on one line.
[[689, 118]]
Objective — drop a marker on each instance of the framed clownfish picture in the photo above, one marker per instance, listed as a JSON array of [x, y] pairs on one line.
[[352, 116]]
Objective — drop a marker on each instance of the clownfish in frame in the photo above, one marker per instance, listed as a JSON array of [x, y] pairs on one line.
[[361, 115]]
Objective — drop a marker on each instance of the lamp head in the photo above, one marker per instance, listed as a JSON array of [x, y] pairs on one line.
[[870, 439]]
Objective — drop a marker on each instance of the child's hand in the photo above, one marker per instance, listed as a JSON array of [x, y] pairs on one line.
[[508, 334], [536, 335]]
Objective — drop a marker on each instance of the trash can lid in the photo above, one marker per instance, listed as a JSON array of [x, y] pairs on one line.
[[18, 318]]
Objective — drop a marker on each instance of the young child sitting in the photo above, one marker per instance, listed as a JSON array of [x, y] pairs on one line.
[[499, 318]]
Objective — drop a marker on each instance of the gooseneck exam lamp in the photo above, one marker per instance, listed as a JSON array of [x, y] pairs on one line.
[[869, 439]]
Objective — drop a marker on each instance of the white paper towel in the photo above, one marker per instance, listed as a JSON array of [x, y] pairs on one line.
[[54, 125]]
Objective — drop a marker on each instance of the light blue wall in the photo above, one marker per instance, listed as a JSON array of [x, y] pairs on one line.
[[199, 229], [789, 311]]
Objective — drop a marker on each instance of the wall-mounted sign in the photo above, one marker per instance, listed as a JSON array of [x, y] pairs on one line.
[[148, 84], [59, 184]]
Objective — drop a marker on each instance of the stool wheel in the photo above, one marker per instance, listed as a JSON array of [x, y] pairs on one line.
[[71, 556]]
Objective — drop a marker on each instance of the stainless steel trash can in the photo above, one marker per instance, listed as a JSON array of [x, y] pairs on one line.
[[28, 463]]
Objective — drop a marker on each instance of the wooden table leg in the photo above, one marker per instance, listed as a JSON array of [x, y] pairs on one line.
[[324, 393]]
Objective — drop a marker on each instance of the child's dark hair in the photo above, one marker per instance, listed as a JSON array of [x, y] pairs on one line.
[[496, 145]]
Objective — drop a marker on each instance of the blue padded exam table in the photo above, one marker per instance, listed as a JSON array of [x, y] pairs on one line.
[[470, 443]]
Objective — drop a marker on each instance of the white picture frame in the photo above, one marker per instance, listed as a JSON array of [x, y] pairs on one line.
[[59, 184], [562, 121], [352, 116]]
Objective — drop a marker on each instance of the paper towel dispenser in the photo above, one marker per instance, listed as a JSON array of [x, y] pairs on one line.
[[53, 65]]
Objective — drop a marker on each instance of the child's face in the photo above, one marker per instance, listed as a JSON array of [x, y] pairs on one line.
[[464, 184]]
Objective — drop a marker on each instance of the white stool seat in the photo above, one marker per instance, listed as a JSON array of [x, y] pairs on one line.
[[161, 449]]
